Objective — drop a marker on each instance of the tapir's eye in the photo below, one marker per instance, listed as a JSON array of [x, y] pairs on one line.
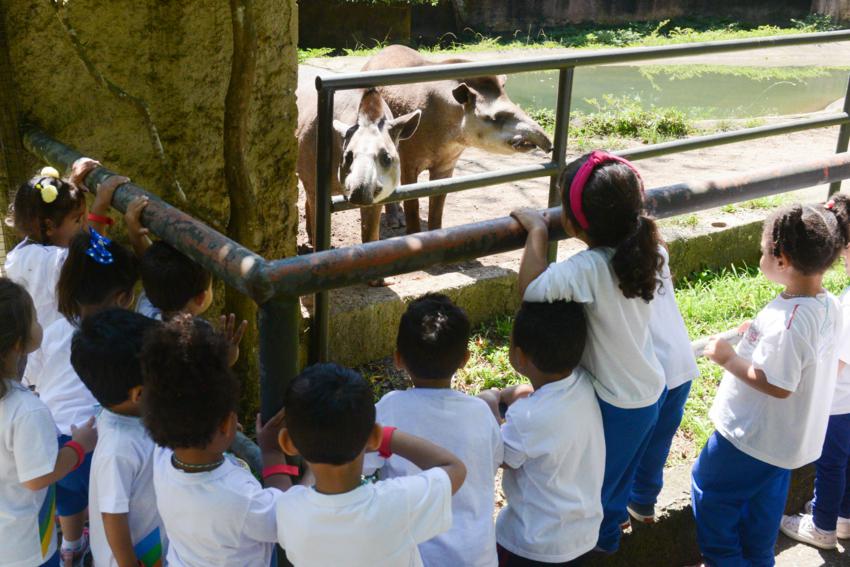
[[385, 158], [502, 116], [349, 157]]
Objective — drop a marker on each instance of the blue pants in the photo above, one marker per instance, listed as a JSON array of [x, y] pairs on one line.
[[72, 492], [738, 503], [53, 561], [649, 477], [832, 499], [627, 434]]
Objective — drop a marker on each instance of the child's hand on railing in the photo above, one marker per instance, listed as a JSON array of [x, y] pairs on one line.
[[530, 219], [80, 169], [233, 334], [136, 233]]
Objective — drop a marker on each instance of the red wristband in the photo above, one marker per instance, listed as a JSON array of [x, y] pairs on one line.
[[78, 449], [386, 439], [101, 219], [290, 470]]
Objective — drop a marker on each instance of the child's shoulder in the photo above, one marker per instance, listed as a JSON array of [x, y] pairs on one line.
[[19, 400], [415, 400]]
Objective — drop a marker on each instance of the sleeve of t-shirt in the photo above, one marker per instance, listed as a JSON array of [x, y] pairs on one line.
[[114, 475], [498, 447], [34, 444], [843, 345], [429, 499], [261, 519], [781, 355], [567, 280], [514, 449]]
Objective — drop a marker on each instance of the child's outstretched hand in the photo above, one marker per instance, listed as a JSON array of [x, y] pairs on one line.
[[85, 435], [530, 219], [719, 350], [137, 234], [81, 169], [233, 334], [267, 434]]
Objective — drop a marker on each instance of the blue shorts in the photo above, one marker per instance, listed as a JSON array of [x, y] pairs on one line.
[[53, 561], [72, 492]]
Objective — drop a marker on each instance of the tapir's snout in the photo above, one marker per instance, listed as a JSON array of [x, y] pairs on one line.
[[363, 195]]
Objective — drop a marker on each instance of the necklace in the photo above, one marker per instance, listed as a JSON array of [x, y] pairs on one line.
[[187, 467], [787, 295]]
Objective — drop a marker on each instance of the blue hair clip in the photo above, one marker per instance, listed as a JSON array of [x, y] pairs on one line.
[[98, 248]]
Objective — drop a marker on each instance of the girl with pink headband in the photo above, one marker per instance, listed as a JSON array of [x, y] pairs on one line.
[[618, 279]]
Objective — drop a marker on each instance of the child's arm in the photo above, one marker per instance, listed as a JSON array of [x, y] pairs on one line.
[[120, 541], [495, 397], [267, 439], [136, 233], [722, 353], [233, 334], [67, 459], [534, 259], [427, 455]]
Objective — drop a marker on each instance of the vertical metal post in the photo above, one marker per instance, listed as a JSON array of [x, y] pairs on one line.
[[559, 150], [322, 222], [843, 138]]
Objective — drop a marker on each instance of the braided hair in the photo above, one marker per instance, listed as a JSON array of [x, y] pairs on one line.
[[810, 236]]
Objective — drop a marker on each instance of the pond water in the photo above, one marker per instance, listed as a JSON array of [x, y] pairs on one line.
[[700, 91]]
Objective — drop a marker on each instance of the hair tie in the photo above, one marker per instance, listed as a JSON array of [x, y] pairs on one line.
[[49, 172], [830, 204], [596, 158], [98, 248], [48, 191]]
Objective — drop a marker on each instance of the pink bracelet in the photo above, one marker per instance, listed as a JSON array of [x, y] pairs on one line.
[[78, 449], [386, 440], [290, 470]]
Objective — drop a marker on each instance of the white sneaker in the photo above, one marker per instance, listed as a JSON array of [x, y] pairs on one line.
[[842, 529], [803, 529]]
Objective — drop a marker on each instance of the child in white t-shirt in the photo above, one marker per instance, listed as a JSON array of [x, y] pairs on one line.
[[124, 524], [554, 442], [29, 459], [827, 517], [48, 211], [772, 407], [97, 275], [214, 511], [342, 520], [615, 280], [431, 346]]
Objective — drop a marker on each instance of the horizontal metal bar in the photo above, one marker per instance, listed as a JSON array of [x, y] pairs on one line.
[[237, 266], [352, 265], [454, 184], [731, 336], [408, 75]]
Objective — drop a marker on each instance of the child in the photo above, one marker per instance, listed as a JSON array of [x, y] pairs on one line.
[[432, 346], [614, 279], [674, 352], [330, 421], [123, 519], [827, 517], [214, 512], [97, 275], [772, 407], [48, 212], [554, 443], [29, 460]]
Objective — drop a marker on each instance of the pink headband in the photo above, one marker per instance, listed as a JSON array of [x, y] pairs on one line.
[[596, 159]]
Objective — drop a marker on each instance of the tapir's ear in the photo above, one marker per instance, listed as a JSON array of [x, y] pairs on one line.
[[502, 80], [403, 127], [464, 94], [342, 128]]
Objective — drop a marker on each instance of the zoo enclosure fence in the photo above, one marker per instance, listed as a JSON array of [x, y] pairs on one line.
[[277, 285]]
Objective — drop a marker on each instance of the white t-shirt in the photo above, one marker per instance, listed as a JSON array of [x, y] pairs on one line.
[[554, 465], [28, 450], [793, 342], [122, 483], [374, 525], [841, 399], [36, 267], [146, 308], [438, 415], [214, 519], [49, 370], [669, 334], [619, 351]]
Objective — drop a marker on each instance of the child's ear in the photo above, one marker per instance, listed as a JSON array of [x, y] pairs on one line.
[[230, 425], [135, 395], [286, 444], [125, 299], [398, 360], [375, 437]]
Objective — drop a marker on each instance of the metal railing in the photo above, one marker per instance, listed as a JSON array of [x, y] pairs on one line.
[[565, 64]]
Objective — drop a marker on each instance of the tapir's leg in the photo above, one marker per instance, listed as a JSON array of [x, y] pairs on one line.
[[395, 217], [370, 223], [436, 203], [308, 212], [411, 207]]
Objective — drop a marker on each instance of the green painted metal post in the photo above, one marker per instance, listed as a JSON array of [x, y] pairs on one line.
[[843, 138], [559, 151]]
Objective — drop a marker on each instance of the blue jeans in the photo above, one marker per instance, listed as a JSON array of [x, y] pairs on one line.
[[832, 499], [649, 477], [738, 503], [627, 434]]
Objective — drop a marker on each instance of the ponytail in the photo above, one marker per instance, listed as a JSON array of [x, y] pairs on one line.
[[839, 204], [810, 236], [637, 261], [16, 317]]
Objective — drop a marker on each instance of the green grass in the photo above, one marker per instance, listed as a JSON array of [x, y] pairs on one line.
[[762, 203]]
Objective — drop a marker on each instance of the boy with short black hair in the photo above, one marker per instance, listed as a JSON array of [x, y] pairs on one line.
[[125, 527], [432, 344], [330, 422], [173, 283], [554, 442]]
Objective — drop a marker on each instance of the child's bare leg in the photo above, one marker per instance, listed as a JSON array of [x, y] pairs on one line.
[[72, 526]]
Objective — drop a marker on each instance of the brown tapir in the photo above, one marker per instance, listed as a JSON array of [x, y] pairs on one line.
[[456, 114]]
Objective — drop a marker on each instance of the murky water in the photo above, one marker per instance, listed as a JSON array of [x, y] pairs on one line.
[[701, 91]]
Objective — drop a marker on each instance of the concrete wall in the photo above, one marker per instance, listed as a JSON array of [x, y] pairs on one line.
[[839, 10]]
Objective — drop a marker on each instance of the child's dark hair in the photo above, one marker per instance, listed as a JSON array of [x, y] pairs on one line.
[[613, 204], [552, 335], [809, 235], [106, 353], [84, 281], [189, 387], [31, 211], [330, 412], [170, 278], [839, 204], [433, 336], [16, 314]]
